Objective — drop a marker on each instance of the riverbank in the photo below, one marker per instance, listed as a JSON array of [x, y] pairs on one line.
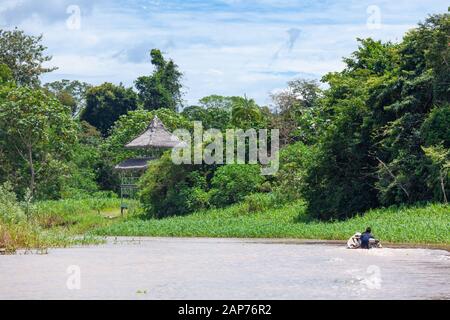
[[59, 223], [74, 222], [287, 241], [423, 226]]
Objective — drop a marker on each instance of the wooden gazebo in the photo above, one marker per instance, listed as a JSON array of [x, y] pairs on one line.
[[154, 138]]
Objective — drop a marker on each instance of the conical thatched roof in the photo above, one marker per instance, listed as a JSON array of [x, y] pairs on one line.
[[155, 136]]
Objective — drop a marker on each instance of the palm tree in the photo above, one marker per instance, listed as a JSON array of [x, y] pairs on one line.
[[245, 112]]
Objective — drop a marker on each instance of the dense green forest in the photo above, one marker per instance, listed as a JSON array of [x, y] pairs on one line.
[[375, 134]]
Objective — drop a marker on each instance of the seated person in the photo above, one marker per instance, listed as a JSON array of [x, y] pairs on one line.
[[354, 242], [366, 237]]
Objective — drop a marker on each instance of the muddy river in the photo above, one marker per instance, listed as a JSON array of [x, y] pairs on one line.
[[179, 268]]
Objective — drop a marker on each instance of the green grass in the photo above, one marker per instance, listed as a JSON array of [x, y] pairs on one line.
[[59, 224], [75, 217], [73, 222], [428, 224]]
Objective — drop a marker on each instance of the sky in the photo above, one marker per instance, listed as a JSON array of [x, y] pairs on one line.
[[225, 47]]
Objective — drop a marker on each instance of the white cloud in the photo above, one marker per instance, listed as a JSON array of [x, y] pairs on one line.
[[238, 47]]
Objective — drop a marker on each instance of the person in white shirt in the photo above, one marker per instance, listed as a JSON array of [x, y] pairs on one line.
[[355, 241]]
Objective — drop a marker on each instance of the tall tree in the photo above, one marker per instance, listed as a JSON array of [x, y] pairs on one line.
[[106, 103], [5, 74], [220, 102], [296, 111], [38, 130], [6, 84], [162, 89], [402, 102], [70, 93], [246, 114], [440, 159], [389, 102], [214, 111], [341, 180], [24, 55]]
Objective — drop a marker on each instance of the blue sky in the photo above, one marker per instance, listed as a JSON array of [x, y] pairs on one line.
[[227, 47]]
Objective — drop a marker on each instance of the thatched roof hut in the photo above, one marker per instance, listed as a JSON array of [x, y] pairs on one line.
[[155, 136], [134, 164]]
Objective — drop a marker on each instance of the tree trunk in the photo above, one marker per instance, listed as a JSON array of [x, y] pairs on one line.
[[441, 177], [32, 173]]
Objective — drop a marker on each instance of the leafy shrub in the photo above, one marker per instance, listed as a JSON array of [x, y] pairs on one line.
[[19, 235], [168, 189], [196, 198], [231, 183], [10, 209], [259, 202], [436, 127], [290, 178], [83, 170]]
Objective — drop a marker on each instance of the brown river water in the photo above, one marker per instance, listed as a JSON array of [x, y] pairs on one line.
[[203, 268]]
